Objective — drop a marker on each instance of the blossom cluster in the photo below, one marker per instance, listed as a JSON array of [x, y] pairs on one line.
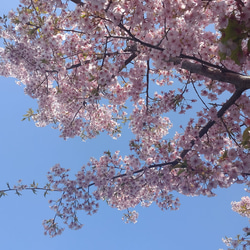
[[243, 208]]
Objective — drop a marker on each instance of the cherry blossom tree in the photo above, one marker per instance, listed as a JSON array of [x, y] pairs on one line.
[[101, 65], [243, 208]]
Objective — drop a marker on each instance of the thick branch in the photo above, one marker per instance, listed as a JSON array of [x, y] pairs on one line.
[[223, 69], [77, 2], [238, 80]]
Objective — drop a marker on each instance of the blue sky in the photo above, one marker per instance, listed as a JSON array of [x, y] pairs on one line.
[[28, 152]]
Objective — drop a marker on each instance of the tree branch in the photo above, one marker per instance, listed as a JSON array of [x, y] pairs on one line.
[[220, 113], [147, 90], [77, 2], [138, 40], [214, 73]]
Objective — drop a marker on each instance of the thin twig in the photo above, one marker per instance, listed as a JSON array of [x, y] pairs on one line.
[[147, 91]]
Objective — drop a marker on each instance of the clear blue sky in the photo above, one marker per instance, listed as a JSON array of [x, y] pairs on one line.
[[28, 152]]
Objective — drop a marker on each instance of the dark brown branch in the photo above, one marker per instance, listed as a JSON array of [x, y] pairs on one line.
[[214, 73], [76, 65], [70, 30], [105, 52], [147, 91], [223, 69], [129, 60], [220, 113], [138, 40], [77, 2], [107, 8]]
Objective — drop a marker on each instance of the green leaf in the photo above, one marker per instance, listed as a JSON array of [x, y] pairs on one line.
[[224, 156], [44, 61], [92, 78], [108, 153], [2, 194], [34, 191], [232, 37], [246, 138], [181, 165], [233, 31], [34, 184], [45, 193], [236, 54], [28, 115], [32, 31], [181, 171]]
